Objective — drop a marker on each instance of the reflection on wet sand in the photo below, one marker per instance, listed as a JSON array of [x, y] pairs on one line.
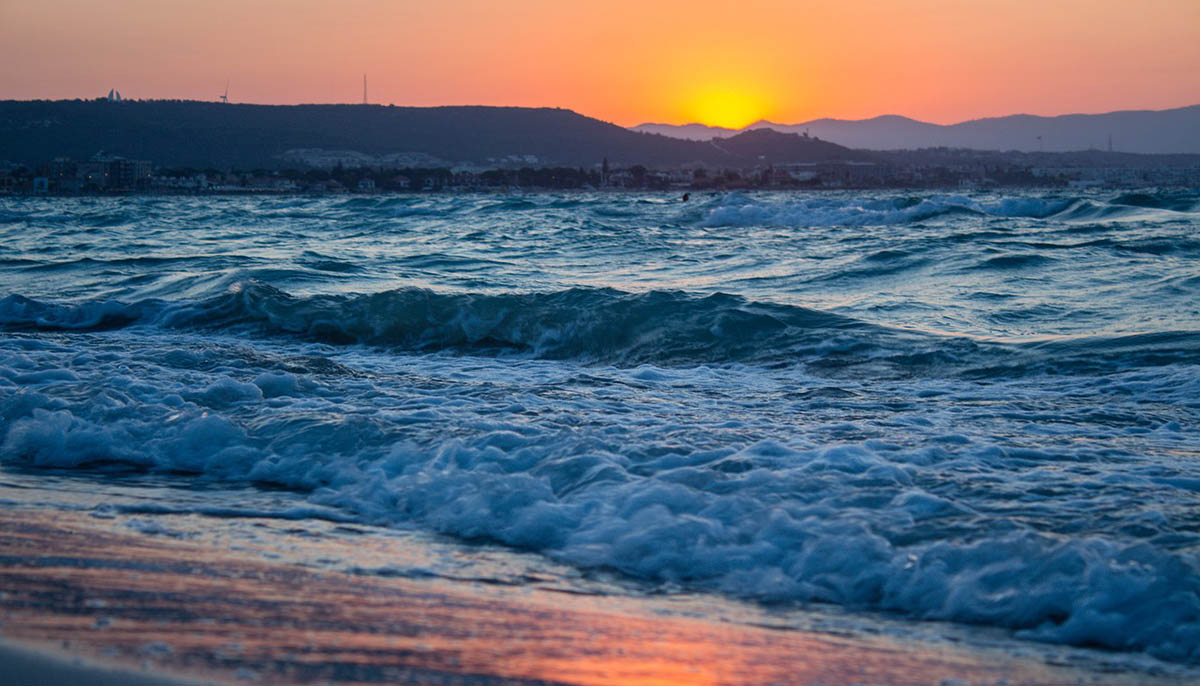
[[176, 606]]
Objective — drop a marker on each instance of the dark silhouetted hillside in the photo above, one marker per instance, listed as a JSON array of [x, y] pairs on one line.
[[202, 134]]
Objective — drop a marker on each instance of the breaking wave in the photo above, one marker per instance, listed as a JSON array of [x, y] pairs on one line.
[[816, 210], [599, 326], [665, 475]]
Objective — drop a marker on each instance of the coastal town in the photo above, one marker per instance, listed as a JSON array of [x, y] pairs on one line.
[[319, 171]]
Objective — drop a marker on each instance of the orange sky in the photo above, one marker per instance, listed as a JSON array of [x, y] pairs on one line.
[[626, 62]]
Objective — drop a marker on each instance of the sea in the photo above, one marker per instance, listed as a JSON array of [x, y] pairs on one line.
[[973, 412]]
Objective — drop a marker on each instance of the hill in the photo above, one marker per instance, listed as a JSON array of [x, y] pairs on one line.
[[204, 134], [691, 132], [1149, 132], [773, 147]]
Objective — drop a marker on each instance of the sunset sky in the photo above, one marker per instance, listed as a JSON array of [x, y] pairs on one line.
[[724, 63]]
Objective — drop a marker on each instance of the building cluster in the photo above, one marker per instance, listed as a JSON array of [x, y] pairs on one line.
[[936, 168], [100, 174]]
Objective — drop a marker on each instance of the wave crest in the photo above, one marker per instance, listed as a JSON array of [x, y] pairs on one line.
[[608, 326], [815, 210], [596, 325]]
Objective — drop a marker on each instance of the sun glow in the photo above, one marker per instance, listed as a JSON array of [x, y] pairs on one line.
[[728, 106]]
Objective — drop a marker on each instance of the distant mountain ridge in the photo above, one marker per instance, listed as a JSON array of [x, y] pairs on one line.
[[204, 134], [1139, 131]]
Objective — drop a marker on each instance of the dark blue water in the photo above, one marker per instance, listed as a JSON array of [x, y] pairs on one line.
[[983, 409]]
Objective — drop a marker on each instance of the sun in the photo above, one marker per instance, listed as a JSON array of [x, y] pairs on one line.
[[725, 105]]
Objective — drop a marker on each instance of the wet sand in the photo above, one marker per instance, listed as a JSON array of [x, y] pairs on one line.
[[26, 665], [100, 597]]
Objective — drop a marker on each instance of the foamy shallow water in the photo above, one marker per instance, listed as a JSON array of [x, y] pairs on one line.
[[981, 410]]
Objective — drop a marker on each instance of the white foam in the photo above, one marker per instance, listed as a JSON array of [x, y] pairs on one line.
[[663, 475]]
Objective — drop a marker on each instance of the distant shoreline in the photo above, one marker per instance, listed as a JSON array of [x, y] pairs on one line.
[[696, 193]]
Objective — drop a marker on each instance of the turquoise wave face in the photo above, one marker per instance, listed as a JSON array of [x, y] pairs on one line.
[[980, 409], [604, 326], [1007, 267]]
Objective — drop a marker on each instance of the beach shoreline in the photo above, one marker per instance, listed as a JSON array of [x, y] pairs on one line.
[[174, 611]]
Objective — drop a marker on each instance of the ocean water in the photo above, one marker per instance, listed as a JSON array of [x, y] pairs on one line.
[[978, 409]]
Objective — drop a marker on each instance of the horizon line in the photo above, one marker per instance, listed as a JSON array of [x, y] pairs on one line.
[[757, 122], [765, 121]]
